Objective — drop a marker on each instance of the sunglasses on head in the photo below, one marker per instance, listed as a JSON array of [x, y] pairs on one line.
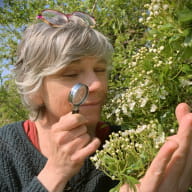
[[49, 16]]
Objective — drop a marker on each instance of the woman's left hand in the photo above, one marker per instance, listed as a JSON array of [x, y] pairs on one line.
[[171, 169]]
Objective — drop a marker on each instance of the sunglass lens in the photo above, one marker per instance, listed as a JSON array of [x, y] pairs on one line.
[[90, 21], [54, 17]]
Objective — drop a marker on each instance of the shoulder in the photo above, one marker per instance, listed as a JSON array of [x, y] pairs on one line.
[[104, 129], [10, 134], [11, 125], [8, 138], [115, 128], [10, 129]]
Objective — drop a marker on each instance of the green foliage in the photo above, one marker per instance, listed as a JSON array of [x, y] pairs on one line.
[[11, 108], [157, 75]]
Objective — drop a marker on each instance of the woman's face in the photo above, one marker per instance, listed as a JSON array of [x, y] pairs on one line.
[[56, 88]]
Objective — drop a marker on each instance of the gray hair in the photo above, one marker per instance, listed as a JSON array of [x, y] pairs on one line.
[[44, 50]]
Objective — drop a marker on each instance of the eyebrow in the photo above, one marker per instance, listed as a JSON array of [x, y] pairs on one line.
[[74, 65], [99, 60]]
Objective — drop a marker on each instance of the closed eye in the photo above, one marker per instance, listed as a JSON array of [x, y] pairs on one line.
[[71, 75], [100, 70]]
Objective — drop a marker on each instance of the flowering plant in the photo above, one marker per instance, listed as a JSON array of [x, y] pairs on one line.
[[127, 154], [152, 82], [158, 74]]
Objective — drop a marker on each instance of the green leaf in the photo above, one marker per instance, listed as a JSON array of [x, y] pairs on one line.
[[185, 15], [188, 41], [186, 68]]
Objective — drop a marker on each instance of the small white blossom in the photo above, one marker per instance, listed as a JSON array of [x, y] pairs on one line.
[[146, 5], [156, 146], [134, 64], [160, 139], [153, 108], [165, 6], [160, 62], [155, 35], [149, 18], [141, 128], [125, 133], [98, 164], [124, 109], [154, 50], [106, 144], [162, 48], [143, 102], [156, 13], [172, 131], [132, 105], [141, 20], [185, 82], [139, 93], [117, 110], [156, 7]]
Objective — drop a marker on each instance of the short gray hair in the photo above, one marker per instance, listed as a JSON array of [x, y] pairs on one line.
[[44, 50]]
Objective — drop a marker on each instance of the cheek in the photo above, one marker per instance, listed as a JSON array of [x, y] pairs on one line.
[[57, 102], [62, 104], [105, 88]]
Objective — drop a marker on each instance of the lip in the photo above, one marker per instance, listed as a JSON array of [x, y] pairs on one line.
[[91, 103]]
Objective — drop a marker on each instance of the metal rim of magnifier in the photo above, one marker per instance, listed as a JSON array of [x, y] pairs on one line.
[[75, 90]]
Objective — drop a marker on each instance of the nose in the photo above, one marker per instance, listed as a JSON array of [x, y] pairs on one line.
[[93, 81]]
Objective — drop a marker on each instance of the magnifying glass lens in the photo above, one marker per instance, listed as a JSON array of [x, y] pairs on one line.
[[78, 95]]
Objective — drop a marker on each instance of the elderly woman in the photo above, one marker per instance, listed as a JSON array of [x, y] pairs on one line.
[[50, 151]]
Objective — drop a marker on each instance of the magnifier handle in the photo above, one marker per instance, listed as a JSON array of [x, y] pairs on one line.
[[75, 109]]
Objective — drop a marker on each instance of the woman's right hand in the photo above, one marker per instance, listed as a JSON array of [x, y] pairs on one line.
[[70, 146]]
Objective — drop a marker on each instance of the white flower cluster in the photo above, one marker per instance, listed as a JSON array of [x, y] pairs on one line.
[[129, 152], [141, 95], [155, 8]]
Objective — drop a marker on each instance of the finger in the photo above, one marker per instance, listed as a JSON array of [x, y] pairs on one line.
[[185, 125], [181, 110], [80, 155], [124, 188], [186, 177], [77, 132], [78, 143], [81, 130], [180, 164], [70, 121], [63, 137], [155, 173]]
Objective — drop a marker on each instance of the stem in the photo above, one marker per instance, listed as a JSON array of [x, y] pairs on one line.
[[94, 6]]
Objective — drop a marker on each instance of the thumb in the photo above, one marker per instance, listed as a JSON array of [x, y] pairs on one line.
[[181, 110]]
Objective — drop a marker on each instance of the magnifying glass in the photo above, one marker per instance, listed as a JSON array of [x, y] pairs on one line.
[[77, 96]]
